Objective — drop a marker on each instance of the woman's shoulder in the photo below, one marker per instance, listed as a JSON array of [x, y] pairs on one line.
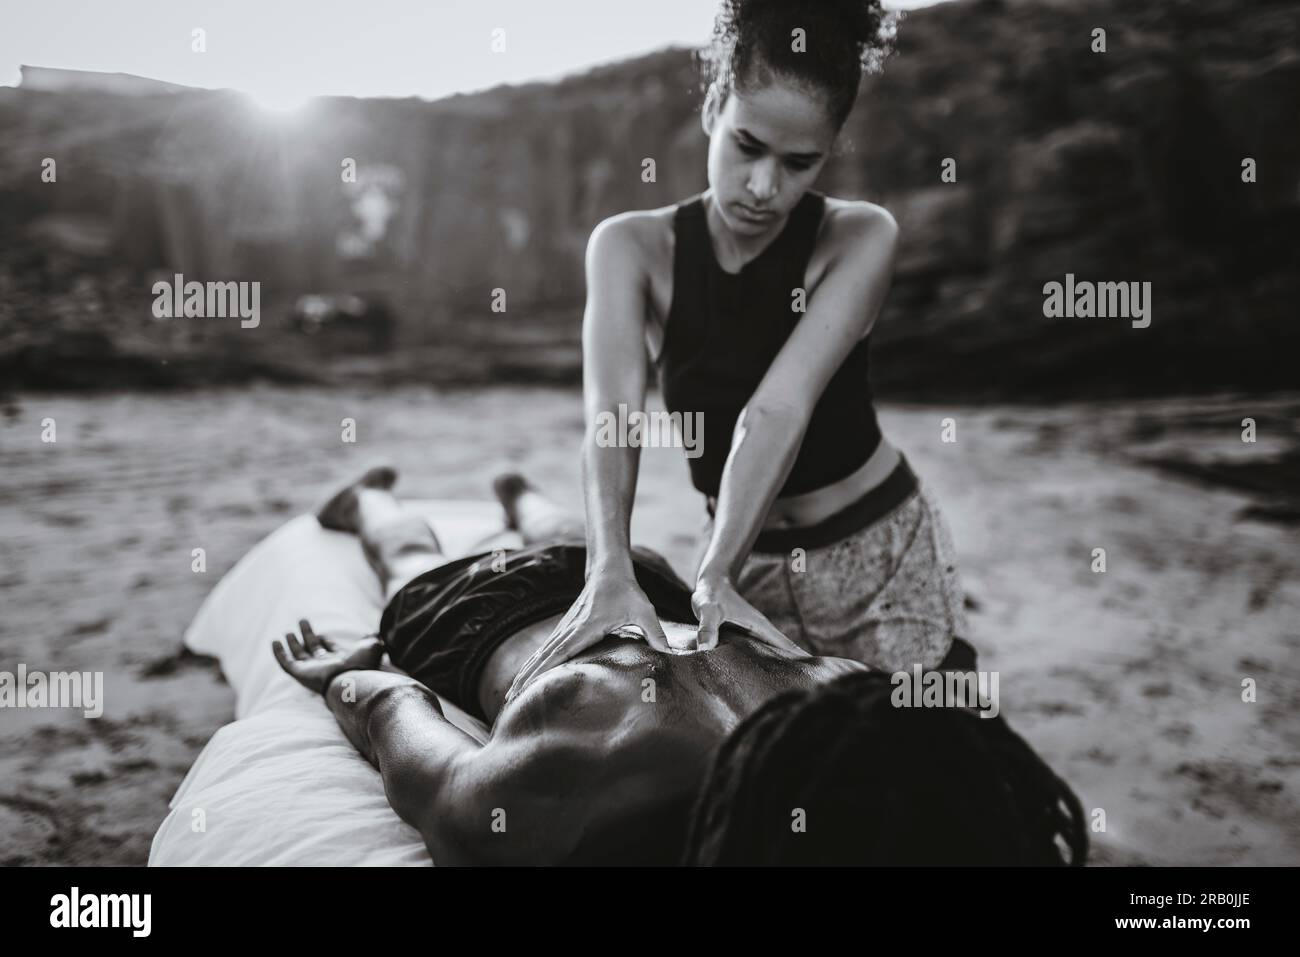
[[851, 231], [646, 234], [849, 223], [639, 224]]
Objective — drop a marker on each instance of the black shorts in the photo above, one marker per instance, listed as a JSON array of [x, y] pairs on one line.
[[442, 627]]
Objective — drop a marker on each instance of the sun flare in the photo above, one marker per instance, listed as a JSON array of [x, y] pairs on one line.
[[280, 101]]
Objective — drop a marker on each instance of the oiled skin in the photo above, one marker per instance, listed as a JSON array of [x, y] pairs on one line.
[[575, 754]]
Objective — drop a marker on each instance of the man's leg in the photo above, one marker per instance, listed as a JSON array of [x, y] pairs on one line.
[[536, 517], [398, 543]]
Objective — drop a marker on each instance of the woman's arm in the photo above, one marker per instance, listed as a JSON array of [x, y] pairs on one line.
[[764, 447], [771, 427], [613, 373]]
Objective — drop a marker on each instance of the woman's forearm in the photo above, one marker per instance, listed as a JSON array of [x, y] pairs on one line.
[[609, 474], [613, 373], [763, 450]]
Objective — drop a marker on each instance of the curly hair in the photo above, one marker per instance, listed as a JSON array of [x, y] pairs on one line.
[[753, 39], [880, 785]]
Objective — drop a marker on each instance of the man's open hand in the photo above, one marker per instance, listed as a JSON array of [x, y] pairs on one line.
[[314, 661]]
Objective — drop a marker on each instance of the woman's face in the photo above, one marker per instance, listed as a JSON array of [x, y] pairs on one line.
[[766, 148]]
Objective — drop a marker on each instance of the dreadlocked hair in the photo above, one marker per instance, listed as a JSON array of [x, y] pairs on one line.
[[842, 39], [879, 784]]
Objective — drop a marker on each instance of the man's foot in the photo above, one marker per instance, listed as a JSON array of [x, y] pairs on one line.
[[314, 661], [532, 514], [342, 513], [508, 488]]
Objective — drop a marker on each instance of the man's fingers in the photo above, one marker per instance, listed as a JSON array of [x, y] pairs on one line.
[[295, 646], [309, 637], [327, 643], [281, 655]]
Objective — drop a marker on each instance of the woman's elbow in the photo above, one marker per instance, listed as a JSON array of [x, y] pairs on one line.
[[774, 413]]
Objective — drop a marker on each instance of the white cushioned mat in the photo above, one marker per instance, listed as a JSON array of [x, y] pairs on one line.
[[281, 785]]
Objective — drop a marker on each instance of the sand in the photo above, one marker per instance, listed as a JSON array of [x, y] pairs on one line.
[[1128, 682]]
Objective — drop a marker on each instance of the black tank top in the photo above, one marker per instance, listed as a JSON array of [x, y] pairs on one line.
[[724, 331]]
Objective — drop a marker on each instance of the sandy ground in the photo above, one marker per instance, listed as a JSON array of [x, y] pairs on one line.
[[1129, 682]]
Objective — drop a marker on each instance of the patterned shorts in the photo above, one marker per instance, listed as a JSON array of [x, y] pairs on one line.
[[886, 595]]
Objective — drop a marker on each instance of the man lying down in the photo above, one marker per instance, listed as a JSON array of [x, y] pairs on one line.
[[749, 752]]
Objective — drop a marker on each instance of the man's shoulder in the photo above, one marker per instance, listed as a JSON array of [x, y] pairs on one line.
[[824, 668], [520, 800]]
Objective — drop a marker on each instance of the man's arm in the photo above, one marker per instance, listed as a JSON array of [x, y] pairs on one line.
[[473, 804], [498, 803], [771, 427], [396, 723], [398, 726]]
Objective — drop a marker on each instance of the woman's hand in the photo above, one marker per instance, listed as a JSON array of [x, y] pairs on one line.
[[314, 661], [609, 604], [716, 600]]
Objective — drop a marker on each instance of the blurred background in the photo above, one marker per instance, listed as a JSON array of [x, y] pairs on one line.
[[478, 170], [1114, 165]]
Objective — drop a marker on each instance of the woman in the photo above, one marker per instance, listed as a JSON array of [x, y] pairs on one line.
[[755, 300]]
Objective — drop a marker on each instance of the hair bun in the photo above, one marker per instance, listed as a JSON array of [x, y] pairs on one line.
[[870, 26], [845, 39]]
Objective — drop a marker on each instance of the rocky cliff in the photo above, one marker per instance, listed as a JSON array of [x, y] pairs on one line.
[[1117, 166]]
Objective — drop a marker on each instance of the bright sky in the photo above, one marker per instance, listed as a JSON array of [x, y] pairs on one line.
[[283, 51]]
